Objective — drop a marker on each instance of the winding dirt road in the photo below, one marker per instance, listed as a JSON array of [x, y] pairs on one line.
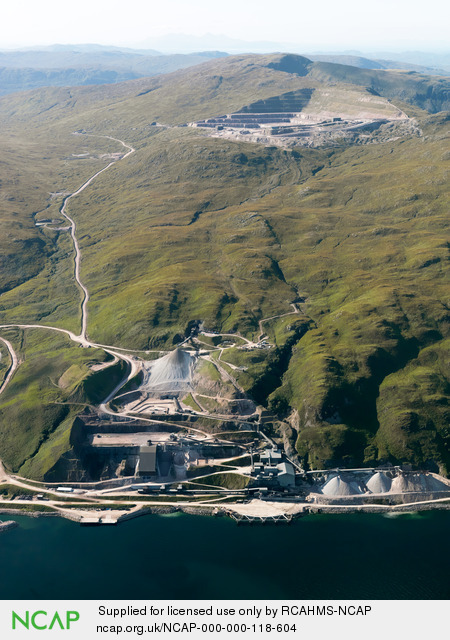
[[118, 353], [14, 363], [73, 228], [133, 365], [261, 322], [81, 339]]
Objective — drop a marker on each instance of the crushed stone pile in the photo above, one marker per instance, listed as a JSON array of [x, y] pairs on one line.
[[433, 484], [403, 484], [417, 482], [379, 483], [407, 483], [337, 486], [171, 373]]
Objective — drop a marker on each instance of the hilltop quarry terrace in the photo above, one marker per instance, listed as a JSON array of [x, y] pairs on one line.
[[304, 118]]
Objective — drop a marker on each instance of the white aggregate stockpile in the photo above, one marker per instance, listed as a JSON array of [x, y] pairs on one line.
[[417, 482], [337, 486], [171, 373], [379, 483]]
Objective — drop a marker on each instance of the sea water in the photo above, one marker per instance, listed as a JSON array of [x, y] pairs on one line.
[[351, 556]]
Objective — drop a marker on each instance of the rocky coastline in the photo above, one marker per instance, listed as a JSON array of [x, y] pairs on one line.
[[216, 510]]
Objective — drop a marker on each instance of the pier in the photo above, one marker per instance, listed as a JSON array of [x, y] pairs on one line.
[[6, 526], [244, 518]]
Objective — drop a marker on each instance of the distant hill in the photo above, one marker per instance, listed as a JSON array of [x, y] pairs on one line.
[[62, 56], [428, 59], [90, 48], [75, 65], [431, 93], [185, 43], [376, 63], [67, 65], [12, 80]]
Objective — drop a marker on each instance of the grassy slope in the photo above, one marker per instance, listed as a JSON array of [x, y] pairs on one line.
[[226, 480], [36, 266], [429, 93], [372, 256], [52, 384], [163, 270], [363, 239], [5, 361]]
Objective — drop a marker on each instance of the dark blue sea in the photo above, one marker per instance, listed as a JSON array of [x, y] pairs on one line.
[[178, 556]]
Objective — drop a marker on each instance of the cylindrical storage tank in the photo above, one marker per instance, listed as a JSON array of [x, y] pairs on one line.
[[180, 471]]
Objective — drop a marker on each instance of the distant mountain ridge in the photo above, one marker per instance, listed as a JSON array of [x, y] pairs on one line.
[[12, 80], [61, 56], [377, 63], [78, 65], [181, 42], [85, 64]]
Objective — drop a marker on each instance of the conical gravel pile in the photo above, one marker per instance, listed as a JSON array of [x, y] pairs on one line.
[[409, 482], [379, 483], [171, 373], [337, 486], [433, 484]]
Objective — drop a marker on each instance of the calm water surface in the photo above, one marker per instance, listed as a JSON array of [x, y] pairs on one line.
[[193, 557]]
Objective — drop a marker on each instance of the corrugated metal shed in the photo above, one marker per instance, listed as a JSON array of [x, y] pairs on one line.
[[147, 460], [286, 475]]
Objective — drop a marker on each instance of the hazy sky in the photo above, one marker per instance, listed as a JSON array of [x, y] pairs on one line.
[[326, 24]]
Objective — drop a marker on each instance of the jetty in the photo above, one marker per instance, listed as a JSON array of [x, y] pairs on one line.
[[244, 518], [264, 512], [6, 526]]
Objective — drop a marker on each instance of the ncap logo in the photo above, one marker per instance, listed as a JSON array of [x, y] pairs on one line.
[[41, 620]]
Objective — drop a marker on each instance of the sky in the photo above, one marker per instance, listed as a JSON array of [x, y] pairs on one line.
[[325, 25]]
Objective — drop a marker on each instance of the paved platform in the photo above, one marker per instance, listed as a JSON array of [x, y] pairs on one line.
[[127, 439], [264, 509]]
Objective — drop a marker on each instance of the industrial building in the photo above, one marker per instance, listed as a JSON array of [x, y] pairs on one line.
[[272, 470], [146, 465]]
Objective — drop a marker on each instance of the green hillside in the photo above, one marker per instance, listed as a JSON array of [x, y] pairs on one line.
[[53, 383], [198, 228]]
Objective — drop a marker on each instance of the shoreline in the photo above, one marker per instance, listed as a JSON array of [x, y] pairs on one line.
[[219, 511]]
